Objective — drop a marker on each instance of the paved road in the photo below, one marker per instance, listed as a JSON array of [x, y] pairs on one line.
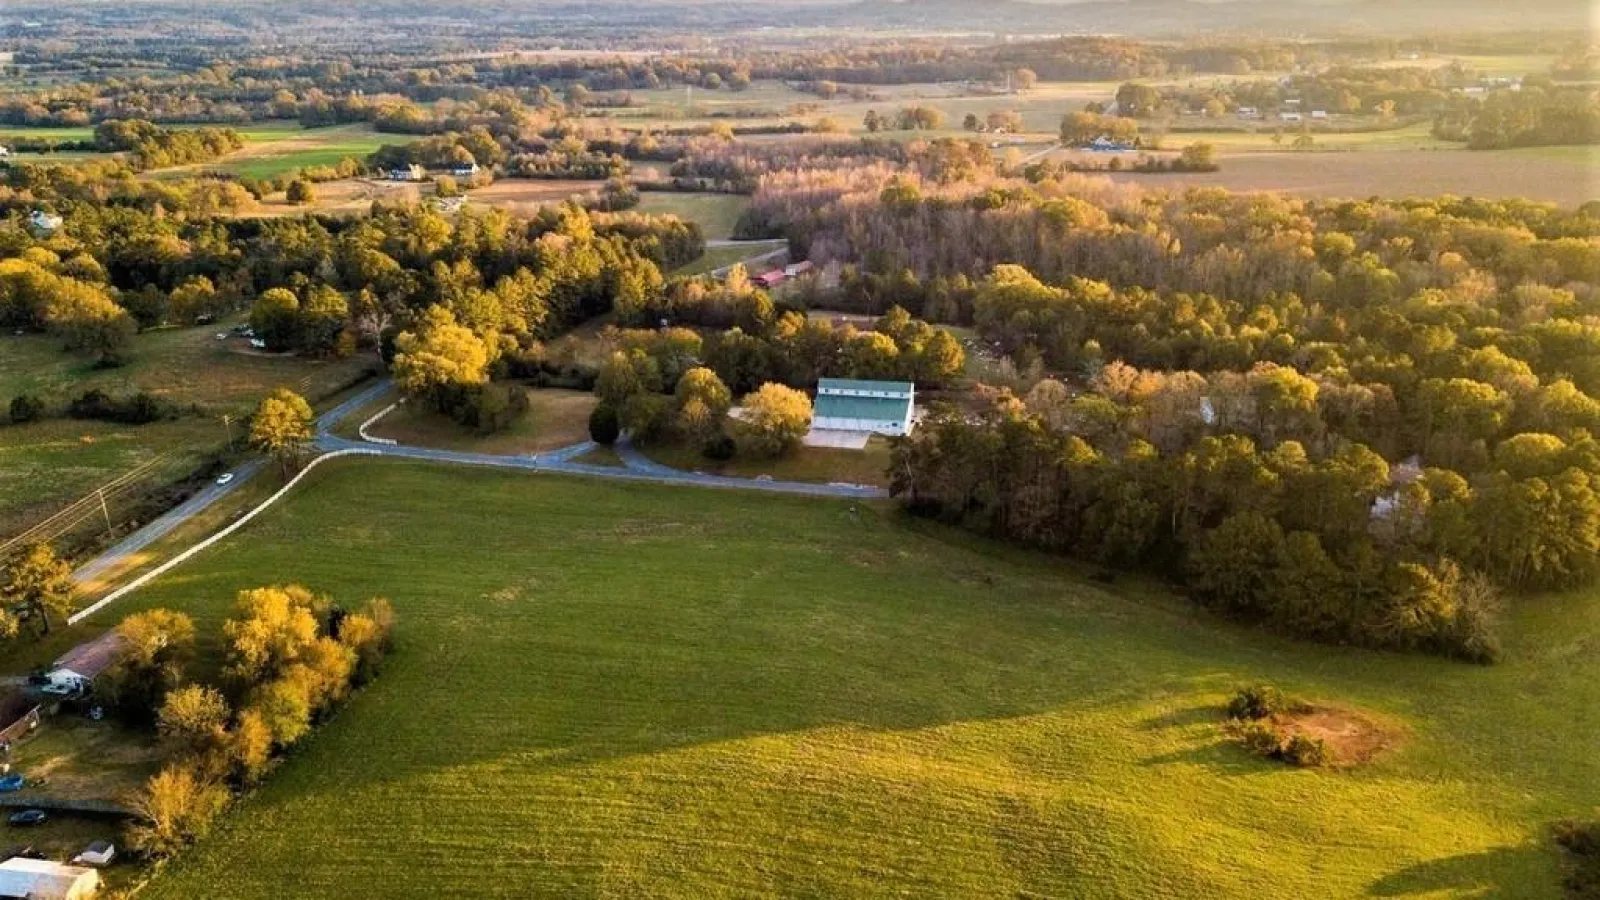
[[161, 527], [559, 462], [119, 552], [782, 253], [638, 466]]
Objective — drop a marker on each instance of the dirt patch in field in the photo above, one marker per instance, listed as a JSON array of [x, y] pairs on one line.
[[1352, 738]]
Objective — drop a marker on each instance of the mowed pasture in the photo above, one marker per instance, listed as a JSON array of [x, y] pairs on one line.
[[555, 419], [527, 195], [45, 465], [607, 689], [273, 151], [716, 214], [346, 196]]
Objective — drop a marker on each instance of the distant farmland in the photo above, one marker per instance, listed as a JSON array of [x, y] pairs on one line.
[[1568, 176]]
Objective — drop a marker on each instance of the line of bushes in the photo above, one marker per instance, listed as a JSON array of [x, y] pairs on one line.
[[139, 408]]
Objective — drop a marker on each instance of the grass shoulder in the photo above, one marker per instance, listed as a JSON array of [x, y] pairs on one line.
[[555, 419], [821, 465]]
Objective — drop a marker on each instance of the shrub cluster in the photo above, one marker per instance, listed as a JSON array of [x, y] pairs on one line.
[[135, 409], [292, 657], [1252, 716]]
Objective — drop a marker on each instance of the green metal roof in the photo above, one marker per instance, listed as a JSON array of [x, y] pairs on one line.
[[875, 409], [852, 384]]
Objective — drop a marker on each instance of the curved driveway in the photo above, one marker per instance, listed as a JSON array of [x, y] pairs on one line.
[[638, 467]]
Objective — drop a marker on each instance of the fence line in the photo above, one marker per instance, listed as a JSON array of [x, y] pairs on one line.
[[387, 442], [237, 524], [83, 507]]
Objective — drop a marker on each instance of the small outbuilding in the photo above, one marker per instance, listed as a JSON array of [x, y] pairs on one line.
[[76, 671], [847, 412], [40, 879]]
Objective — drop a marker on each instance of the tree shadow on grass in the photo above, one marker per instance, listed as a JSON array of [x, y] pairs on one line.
[[1211, 747], [1503, 873], [1224, 756], [1186, 717]]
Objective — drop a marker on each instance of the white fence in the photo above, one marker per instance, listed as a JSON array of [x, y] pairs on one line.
[[387, 442], [183, 557]]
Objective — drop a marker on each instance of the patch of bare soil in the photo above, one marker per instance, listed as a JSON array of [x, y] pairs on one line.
[[1352, 738]]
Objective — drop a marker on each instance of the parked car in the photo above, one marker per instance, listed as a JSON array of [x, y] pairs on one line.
[[222, 335], [224, 478], [28, 818], [258, 343], [99, 853], [12, 782]]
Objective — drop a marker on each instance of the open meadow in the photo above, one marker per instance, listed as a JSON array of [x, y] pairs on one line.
[[632, 690], [270, 148], [277, 148]]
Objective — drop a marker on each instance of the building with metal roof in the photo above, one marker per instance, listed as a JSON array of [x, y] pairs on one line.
[[37, 879], [77, 669], [847, 412]]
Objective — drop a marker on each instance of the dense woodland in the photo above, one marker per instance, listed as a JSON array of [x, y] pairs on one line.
[[1353, 420]]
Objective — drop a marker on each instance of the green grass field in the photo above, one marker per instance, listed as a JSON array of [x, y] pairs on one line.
[[633, 690], [12, 133], [271, 151], [271, 148], [869, 465], [716, 213]]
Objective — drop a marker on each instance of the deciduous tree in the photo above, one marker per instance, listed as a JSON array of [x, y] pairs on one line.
[[282, 426]]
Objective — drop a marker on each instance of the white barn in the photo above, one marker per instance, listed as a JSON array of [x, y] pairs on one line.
[[847, 413]]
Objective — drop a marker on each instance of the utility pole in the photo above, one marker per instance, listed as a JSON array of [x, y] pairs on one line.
[[103, 511], [227, 424]]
